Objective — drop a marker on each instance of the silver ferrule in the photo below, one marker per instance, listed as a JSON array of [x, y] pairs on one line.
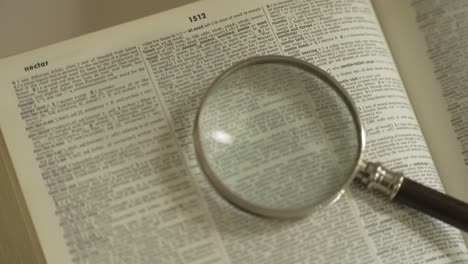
[[377, 177]]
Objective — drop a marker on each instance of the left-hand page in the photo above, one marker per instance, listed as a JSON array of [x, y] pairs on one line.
[[67, 144]]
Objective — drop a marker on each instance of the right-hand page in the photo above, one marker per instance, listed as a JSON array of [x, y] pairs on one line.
[[429, 42]]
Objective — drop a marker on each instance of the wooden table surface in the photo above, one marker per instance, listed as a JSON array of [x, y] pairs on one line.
[[26, 24]]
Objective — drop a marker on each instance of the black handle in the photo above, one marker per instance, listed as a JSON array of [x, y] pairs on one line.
[[443, 207]]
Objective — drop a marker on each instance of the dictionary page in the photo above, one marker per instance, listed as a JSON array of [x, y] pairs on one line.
[[429, 42], [99, 129]]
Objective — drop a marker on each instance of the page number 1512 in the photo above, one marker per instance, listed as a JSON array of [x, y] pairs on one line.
[[197, 17]]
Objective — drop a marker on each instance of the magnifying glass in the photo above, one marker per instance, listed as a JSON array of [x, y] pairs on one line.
[[281, 138]]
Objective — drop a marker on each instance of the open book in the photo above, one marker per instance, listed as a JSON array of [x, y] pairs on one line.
[[99, 132]]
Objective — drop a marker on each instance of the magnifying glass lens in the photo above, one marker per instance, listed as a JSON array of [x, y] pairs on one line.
[[277, 137]]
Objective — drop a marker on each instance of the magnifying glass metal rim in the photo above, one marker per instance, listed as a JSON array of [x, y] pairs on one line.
[[246, 205]]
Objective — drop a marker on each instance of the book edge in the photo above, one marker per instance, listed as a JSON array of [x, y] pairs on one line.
[[19, 230]]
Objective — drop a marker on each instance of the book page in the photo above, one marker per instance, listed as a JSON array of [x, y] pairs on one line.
[[429, 43], [100, 131]]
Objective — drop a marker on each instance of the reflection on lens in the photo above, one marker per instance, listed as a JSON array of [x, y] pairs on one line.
[[277, 136]]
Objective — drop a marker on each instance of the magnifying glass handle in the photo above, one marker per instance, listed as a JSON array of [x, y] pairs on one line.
[[433, 203], [415, 195]]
